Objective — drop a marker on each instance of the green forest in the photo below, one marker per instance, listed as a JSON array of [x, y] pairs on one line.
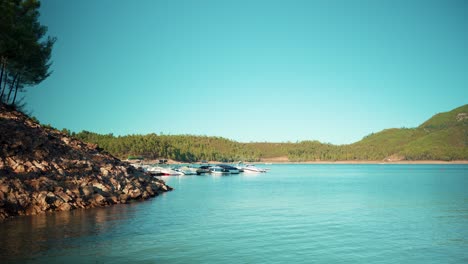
[[25, 49], [442, 137]]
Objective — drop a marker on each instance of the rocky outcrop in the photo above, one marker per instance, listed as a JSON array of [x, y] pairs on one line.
[[461, 116], [44, 170]]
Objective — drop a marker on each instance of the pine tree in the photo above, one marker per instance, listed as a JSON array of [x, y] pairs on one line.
[[25, 51]]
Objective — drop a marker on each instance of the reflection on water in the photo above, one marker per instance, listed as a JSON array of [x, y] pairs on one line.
[[29, 236]]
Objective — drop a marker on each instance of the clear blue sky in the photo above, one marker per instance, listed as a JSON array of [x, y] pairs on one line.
[[252, 70]]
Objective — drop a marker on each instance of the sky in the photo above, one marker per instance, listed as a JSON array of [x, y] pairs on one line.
[[252, 70]]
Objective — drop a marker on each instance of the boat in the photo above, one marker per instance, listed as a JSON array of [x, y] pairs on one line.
[[160, 171], [153, 170], [203, 169], [249, 168], [170, 172], [218, 170], [231, 169], [186, 170]]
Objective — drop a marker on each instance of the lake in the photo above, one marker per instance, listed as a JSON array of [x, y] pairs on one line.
[[292, 214]]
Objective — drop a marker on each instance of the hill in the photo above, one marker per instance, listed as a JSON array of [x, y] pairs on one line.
[[442, 137], [43, 170]]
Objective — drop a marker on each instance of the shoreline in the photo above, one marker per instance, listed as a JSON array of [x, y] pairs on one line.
[[348, 162], [428, 162]]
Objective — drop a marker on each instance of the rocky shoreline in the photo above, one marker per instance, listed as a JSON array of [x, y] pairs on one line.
[[45, 170]]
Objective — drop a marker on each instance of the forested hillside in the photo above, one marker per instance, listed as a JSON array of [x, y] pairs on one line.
[[442, 137], [181, 147]]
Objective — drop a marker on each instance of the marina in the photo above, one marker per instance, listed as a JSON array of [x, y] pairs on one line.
[[200, 169]]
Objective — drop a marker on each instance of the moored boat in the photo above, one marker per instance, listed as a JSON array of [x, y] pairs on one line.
[[218, 170], [203, 169], [186, 170], [249, 168], [231, 169], [161, 171]]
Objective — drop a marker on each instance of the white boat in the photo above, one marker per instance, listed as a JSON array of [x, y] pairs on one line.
[[218, 170], [252, 169], [163, 171], [153, 170], [187, 170], [170, 172]]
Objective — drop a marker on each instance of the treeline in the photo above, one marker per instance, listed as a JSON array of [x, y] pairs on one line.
[[188, 148], [185, 148], [25, 50], [443, 137]]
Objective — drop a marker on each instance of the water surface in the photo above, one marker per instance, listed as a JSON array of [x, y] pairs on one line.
[[292, 214]]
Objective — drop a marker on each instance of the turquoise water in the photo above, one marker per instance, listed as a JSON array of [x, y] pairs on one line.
[[292, 214]]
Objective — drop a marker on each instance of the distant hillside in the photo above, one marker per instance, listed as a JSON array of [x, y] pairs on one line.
[[442, 137], [458, 117]]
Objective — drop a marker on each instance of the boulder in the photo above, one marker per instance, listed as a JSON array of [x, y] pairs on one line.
[[135, 193], [86, 190]]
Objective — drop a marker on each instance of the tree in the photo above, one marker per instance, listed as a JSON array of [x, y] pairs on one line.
[[25, 50]]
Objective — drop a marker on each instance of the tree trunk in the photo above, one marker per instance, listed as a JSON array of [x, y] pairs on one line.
[[1, 73], [2, 87], [16, 90], [5, 81], [12, 84]]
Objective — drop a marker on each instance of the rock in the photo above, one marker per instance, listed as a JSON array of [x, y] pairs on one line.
[[40, 200], [64, 207], [100, 186], [23, 200], [5, 188], [123, 198], [20, 168], [145, 195], [50, 198], [127, 189], [33, 210], [80, 203], [75, 192], [135, 193], [115, 184], [104, 171], [113, 199], [11, 162], [66, 198], [87, 190], [98, 199], [462, 116], [45, 170], [66, 140]]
